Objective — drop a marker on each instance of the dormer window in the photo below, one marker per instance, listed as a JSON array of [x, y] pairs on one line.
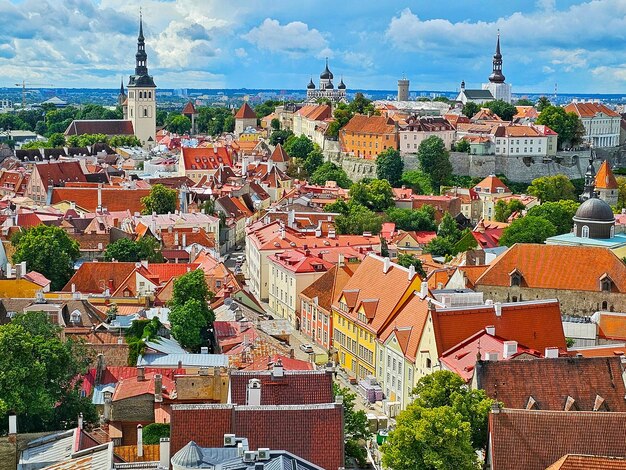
[[516, 279], [75, 316], [606, 284], [584, 231]]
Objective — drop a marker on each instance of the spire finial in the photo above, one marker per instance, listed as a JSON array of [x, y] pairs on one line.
[[140, 23]]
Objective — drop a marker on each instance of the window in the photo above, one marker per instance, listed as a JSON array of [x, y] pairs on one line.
[[605, 284], [585, 232], [516, 279], [428, 363], [605, 305]]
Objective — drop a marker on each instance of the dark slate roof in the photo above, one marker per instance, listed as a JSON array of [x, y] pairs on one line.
[[595, 209], [553, 382], [478, 94], [100, 126]]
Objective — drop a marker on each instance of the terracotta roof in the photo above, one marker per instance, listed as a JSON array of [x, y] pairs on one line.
[[205, 158], [603, 350], [37, 278], [362, 124], [472, 273], [131, 387], [189, 108], [535, 324], [371, 282], [490, 185], [57, 173], [96, 277], [486, 114], [129, 453], [279, 155], [487, 235], [526, 112], [113, 374], [611, 325], [113, 198], [328, 286], [315, 112], [541, 266], [300, 261], [245, 112], [534, 440], [588, 462], [103, 126], [266, 363], [589, 110], [293, 388], [605, 179], [552, 382]]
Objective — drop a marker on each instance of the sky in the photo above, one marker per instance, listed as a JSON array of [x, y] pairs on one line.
[[281, 44]]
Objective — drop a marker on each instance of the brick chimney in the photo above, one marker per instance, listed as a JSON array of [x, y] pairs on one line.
[[158, 388]]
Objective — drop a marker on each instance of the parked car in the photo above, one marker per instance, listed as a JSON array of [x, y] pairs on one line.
[[307, 348]]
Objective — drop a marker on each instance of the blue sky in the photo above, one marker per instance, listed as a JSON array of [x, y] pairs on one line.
[[580, 45]]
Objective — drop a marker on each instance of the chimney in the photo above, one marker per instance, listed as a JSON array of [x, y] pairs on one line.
[[164, 452], [12, 423], [184, 241], [277, 370], [498, 308], [100, 368], [107, 406], [551, 353], [139, 440], [340, 261], [175, 237], [141, 374], [282, 233], [510, 348], [495, 408], [99, 195], [158, 388], [411, 272], [253, 394], [73, 288], [9, 271], [291, 218], [424, 289], [110, 285], [490, 330], [80, 421], [386, 265]]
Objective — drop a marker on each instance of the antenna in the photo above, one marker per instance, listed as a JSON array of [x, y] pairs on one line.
[[555, 91]]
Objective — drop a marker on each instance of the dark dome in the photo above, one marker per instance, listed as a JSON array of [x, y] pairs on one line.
[[595, 209], [326, 74], [311, 85], [342, 86]]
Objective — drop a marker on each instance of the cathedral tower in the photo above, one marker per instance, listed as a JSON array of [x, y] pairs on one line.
[[496, 85], [141, 102]]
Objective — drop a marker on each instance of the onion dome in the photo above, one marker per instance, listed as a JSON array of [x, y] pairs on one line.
[[311, 85], [342, 86], [326, 74]]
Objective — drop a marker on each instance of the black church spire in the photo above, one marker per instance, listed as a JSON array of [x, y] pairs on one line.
[[496, 75]]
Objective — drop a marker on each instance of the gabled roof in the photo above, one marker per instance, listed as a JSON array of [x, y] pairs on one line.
[[490, 185], [605, 179], [96, 277], [56, 173], [535, 324], [588, 462], [328, 286], [315, 112], [108, 127], [205, 158], [279, 155], [363, 124], [551, 382], [245, 112], [113, 198], [131, 387], [300, 262], [535, 439], [541, 267], [589, 110]]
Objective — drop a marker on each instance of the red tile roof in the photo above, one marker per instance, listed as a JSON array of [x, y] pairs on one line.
[[245, 112], [189, 108], [96, 277], [328, 286], [541, 267], [266, 363], [205, 158], [551, 382], [534, 440], [588, 462], [56, 173], [487, 235], [113, 198], [589, 110], [131, 387], [114, 374], [490, 185], [316, 112], [293, 388], [300, 261], [611, 325], [279, 155], [535, 324], [605, 179], [362, 124]]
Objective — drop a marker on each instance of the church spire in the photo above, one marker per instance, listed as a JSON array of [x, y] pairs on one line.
[[141, 38], [141, 58], [590, 180], [122, 86], [496, 74]]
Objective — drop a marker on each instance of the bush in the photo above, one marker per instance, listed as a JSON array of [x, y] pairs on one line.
[[153, 433]]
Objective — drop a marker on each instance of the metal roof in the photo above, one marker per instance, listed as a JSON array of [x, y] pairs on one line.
[[98, 393], [187, 360], [48, 450]]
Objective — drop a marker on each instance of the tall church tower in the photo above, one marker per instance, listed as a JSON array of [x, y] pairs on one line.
[[496, 85], [141, 102]]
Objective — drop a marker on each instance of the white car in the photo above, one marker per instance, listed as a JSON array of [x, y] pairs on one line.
[[307, 348]]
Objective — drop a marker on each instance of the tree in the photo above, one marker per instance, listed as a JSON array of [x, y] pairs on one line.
[[298, 147], [439, 246], [524, 102], [422, 219], [504, 110], [449, 229], [125, 249], [505, 209], [429, 439], [161, 200], [376, 195], [328, 171], [462, 146], [568, 125], [418, 181], [552, 188], [543, 103], [559, 214], [280, 137], [621, 192], [39, 375], [446, 389], [178, 123], [266, 108], [149, 249], [313, 161], [190, 316], [407, 260], [389, 166], [434, 160], [357, 220], [355, 424], [470, 109], [48, 250], [153, 433], [529, 229], [56, 140], [275, 124]]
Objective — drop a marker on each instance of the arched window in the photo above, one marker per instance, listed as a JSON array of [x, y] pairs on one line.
[[514, 298], [585, 232], [149, 94], [140, 94], [516, 279], [612, 231], [145, 112], [605, 305], [575, 229], [605, 285], [131, 112]]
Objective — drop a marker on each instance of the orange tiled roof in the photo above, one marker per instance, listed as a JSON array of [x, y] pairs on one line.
[[589, 110], [605, 179], [131, 387], [541, 267], [612, 325], [328, 286], [129, 453], [245, 112], [279, 155], [492, 183], [315, 112], [205, 158], [114, 199], [588, 462], [189, 108], [362, 124]]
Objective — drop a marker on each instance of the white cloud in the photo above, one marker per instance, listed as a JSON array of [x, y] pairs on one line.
[[241, 52], [295, 38]]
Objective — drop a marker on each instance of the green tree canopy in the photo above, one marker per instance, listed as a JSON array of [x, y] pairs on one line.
[[355, 425], [125, 249], [621, 192], [275, 124], [48, 250], [214, 120], [313, 161], [434, 160], [328, 171], [529, 229], [552, 188], [504, 110], [298, 147], [178, 123], [559, 213], [389, 166], [505, 209], [161, 200], [422, 219], [418, 181], [357, 220], [280, 137], [462, 146], [190, 316], [408, 260], [543, 103], [152, 433], [439, 246], [376, 195], [266, 108], [470, 109], [524, 102], [568, 125], [449, 229], [38, 379]]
